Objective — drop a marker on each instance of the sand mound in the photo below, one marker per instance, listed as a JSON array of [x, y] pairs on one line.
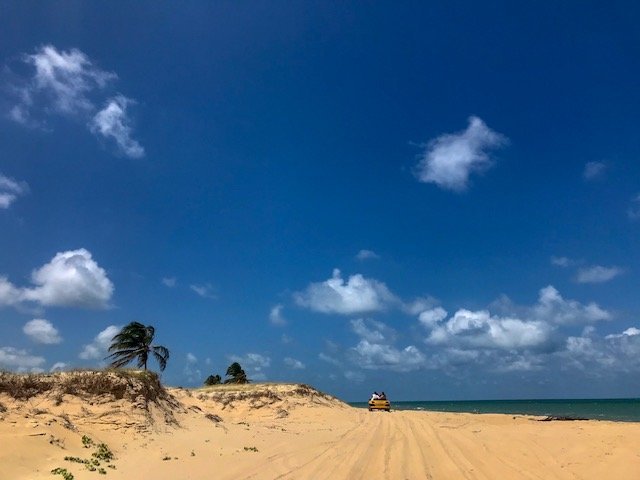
[[269, 396], [79, 398]]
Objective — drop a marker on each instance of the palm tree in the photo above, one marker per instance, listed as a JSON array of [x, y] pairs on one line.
[[134, 342], [236, 373], [213, 380]]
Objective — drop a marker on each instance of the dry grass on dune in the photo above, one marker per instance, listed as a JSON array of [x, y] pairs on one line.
[[258, 395], [119, 384]]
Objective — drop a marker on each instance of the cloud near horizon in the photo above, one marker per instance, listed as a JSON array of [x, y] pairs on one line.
[[42, 331], [449, 160], [98, 349], [22, 360]]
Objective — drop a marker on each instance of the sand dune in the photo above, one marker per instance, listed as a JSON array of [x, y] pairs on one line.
[[283, 431]]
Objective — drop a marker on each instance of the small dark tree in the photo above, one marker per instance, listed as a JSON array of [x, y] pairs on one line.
[[236, 374], [134, 342], [213, 380]]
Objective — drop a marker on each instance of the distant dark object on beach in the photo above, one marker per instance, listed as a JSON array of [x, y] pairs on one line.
[[553, 418]]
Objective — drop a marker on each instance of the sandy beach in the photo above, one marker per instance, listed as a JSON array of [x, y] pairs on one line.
[[281, 431]]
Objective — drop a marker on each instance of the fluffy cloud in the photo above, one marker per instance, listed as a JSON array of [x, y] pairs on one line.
[[596, 355], [480, 329], [19, 359], [551, 307], [356, 295], [10, 190], [205, 291], [593, 170], [375, 349], [598, 274], [70, 279], [10, 295], [449, 159], [169, 282], [430, 318], [112, 122], [294, 364], [276, 317], [67, 83], [97, 349], [367, 255], [42, 331]]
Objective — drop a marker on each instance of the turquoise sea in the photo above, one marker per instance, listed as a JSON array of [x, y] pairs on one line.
[[620, 410]]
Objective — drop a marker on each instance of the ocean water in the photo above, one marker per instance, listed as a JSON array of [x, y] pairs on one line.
[[620, 410]]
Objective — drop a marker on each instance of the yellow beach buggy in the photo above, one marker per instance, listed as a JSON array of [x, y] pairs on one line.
[[381, 404]]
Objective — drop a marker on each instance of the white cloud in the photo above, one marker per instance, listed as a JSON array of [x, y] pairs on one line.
[[58, 366], [375, 349], [449, 159], [629, 332], [602, 356], [65, 78], [169, 282], [356, 295], [42, 331], [10, 295], [372, 330], [430, 318], [67, 83], [593, 170], [205, 291], [598, 274], [20, 359], [112, 122], [479, 329], [71, 279], [10, 190], [97, 349], [520, 363], [634, 208], [563, 262], [367, 255], [419, 305], [276, 317], [191, 358], [380, 356], [551, 307], [294, 364]]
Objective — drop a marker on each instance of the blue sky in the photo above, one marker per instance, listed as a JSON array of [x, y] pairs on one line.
[[437, 200]]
